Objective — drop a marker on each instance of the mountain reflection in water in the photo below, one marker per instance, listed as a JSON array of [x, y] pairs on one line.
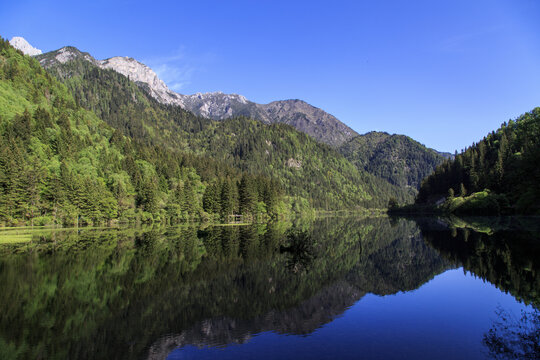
[[144, 293]]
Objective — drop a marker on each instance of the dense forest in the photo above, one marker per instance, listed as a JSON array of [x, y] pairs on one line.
[[500, 173], [314, 174], [60, 163], [85, 145], [398, 159]]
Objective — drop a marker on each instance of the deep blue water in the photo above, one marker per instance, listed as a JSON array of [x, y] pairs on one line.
[[443, 319]]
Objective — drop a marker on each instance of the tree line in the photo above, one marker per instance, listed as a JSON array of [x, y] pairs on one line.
[[505, 162]]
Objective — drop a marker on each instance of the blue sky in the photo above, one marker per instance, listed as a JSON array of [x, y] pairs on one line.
[[444, 72]]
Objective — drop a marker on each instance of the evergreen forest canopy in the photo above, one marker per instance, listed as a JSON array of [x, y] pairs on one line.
[[398, 159], [499, 174], [314, 174], [60, 163], [85, 145]]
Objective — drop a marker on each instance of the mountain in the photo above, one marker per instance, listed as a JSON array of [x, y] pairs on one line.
[[312, 173], [499, 173], [304, 117], [121, 102], [311, 120], [398, 159], [20, 43], [219, 106], [61, 163]]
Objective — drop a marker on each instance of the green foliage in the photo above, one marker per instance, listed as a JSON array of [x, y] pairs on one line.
[[66, 290], [505, 161], [396, 158], [299, 166], [392, 203], [61, 164], [480, 203]]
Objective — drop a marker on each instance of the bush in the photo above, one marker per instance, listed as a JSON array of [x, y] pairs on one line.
[[43, 220], [147, 217], [480, 203]]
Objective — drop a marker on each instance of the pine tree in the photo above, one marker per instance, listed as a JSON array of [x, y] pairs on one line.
[[247, 195], [211, 199], [462, 190], [227, 201]]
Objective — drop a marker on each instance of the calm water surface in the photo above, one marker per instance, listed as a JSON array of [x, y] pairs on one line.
[[379, 288]]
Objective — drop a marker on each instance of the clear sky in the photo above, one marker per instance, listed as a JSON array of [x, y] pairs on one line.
[[445, 72]]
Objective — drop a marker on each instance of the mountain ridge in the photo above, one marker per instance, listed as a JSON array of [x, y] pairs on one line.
[[399, 159], [307, 118], [238, 148], [313, 173]]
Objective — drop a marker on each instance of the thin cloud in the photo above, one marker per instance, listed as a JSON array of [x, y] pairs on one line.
[[178, 69], [459, 43], [176, 76]]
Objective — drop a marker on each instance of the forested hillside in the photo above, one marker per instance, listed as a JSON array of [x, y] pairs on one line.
[[313, 174], [506, 162], [60, 163], [313, 171], [120, 102], [398, 159]]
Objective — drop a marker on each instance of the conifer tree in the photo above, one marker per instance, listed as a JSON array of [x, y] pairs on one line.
[[462, 190], [247, 194], [226, 201]]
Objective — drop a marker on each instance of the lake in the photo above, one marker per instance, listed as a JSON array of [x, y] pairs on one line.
[[345, 288]]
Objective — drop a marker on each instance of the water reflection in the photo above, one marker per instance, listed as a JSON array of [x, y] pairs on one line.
[[511, 337], [140, 293], [503, 251]]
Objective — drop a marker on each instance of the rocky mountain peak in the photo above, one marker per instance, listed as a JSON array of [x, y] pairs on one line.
[[69, 53], [64, 55], [20, 43], [135, 70], [142, 74], [218, 105]]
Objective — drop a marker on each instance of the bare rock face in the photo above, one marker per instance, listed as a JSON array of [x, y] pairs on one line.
[[293, 163], [311, 120], [63, 56], [140, 73], [20, 43], [220, 106]]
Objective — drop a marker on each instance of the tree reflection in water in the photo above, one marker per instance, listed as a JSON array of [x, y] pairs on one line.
[[301, 251], [513, 338], [505, 252], [136, 293]]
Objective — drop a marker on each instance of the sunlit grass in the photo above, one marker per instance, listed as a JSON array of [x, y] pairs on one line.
[[15, 238]]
